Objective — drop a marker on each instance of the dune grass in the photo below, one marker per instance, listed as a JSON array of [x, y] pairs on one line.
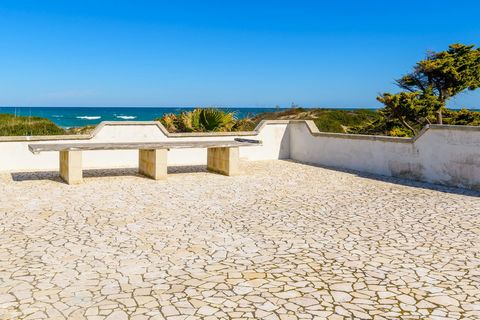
[[327, 120], [11, 125]]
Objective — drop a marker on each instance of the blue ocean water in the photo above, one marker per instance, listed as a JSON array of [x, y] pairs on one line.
[[68, 117]]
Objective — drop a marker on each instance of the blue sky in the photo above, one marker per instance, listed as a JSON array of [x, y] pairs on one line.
[[229, 53]]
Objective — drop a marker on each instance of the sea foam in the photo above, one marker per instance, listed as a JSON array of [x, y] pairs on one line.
[[89, 117], [127, 117]]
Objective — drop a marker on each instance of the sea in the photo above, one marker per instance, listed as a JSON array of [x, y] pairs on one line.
[[68, 117]]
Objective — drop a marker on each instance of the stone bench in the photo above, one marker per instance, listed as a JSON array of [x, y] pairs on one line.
[[223, 156]]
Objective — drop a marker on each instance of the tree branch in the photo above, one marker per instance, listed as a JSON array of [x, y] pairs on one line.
[[402, 120]]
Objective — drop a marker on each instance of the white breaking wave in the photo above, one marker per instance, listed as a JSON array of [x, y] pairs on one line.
[[89, 117], [126, 117]]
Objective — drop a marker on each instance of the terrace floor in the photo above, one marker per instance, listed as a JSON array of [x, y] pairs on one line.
[[284, 241]]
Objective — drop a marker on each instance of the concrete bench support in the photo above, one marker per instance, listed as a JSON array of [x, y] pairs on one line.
[[224, 160], [223, 156], [153, 163], [71, 166]]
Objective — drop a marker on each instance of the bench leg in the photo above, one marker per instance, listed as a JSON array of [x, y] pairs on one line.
[[71, 166], [153, 163], [224, 160]]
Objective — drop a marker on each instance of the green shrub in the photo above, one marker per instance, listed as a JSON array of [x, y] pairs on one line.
[[11, 125], [325, 124], [461, 117], [399, 132], [199, 120], [341, 120]]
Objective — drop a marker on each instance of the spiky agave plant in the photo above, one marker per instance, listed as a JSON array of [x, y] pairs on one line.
[[212, 119], [169, 122], [199, 120]]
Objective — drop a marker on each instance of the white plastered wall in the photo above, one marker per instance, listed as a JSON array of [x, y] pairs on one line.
[[15, 156], [447, 155]]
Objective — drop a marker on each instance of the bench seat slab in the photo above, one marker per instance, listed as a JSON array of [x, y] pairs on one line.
[[71, 166], [225, 161], [153, 163]]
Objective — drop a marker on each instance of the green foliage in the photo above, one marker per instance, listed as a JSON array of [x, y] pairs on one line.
[[462, 117], [325, 124], [201, 120], [11, 125], [81, 130], [340, 120], [216, 120], [406, 107], [350, 118], [432, 82], [399, 132], [393, 127], [443, 75], [381, 127], [327, 120], [291, 112], [446, 73], [246, 124]]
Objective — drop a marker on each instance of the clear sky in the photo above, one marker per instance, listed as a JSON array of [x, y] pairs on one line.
[[228, 53]]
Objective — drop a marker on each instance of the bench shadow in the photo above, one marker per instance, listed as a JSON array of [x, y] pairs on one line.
[[96, 173], [400, 181], [36, 176]]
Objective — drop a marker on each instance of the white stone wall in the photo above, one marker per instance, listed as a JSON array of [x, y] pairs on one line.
[[15, 156], [447, 155]]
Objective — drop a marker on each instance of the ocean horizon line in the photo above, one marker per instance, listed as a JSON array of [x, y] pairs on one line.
[[191, 107], [220, 107]]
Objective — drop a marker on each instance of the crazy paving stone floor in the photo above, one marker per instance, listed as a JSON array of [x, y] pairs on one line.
[[284, 241]]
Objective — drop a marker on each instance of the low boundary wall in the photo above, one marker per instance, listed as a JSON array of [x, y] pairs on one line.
[[15, 156], [442, 154]]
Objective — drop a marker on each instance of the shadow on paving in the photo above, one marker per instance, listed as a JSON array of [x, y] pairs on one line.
[[401, 181], [91, 173], [94, 173]]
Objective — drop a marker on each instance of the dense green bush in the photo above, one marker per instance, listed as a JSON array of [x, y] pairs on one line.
[[340, 120], [327, 120], [461, 117], [393, 127]]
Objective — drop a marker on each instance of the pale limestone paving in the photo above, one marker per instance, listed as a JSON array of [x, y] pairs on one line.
[[282, 241]]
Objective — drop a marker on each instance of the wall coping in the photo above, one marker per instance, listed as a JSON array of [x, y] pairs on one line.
[[313, 129]]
